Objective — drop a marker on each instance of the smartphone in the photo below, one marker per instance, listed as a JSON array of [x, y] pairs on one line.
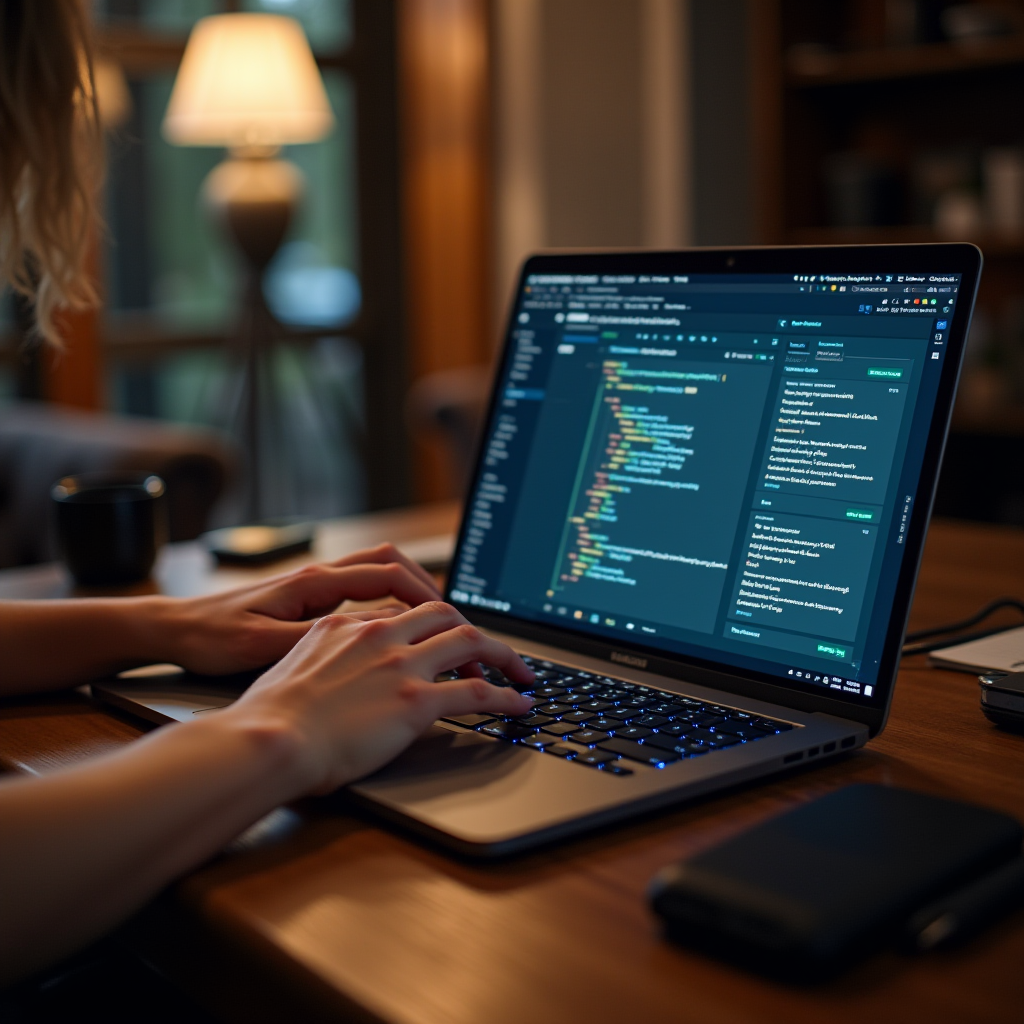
[[1002, 699], [259, 545], [804, 894]]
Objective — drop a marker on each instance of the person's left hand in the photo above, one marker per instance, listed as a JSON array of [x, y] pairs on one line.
[[255, 625]]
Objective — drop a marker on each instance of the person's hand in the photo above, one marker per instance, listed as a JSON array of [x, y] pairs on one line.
[[255, 625], [353, 694]]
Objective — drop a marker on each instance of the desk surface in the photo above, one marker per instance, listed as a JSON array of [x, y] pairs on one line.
[[324, 910]]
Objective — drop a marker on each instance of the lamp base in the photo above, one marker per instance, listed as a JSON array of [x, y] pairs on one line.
[[254, 195]]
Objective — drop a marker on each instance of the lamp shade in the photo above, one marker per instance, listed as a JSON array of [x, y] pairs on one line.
[[247, 80]]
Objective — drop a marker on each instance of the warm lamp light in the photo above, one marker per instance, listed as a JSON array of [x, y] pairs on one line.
[[247, 80]]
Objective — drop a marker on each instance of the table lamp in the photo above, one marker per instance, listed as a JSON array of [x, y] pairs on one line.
[[249, 82]]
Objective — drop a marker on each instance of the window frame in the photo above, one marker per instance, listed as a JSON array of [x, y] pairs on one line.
[[371, 63]]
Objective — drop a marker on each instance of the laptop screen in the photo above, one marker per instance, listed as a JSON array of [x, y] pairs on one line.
[[720, 466]]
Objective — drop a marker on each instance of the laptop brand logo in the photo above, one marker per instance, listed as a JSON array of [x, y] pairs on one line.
[[629, 659]]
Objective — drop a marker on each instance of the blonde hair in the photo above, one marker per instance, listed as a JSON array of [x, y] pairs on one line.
[[50, 155]]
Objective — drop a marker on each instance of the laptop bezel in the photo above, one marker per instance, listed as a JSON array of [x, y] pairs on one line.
[[959, 258]]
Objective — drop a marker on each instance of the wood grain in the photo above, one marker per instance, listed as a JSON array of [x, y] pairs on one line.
[[348, 919], [446, 196], [38, 735]]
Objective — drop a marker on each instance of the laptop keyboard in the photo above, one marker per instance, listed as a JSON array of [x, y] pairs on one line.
[[613, 725]]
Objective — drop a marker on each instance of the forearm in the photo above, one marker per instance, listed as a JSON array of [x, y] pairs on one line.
[[81, 850], [52, 644]]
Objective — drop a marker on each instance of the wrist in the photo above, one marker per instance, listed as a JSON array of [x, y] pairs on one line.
[[272, 743], [151, 629]]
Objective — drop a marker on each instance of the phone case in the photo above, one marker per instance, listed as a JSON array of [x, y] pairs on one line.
[[802, 894]]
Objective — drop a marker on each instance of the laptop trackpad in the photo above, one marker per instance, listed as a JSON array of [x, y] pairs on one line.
[[445, 761], [482, 791]]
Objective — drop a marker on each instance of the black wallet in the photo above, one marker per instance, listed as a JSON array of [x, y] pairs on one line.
[[806, 893]]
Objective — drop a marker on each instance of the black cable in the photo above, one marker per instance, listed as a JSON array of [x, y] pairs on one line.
[[926, 646], [915, 642], [955, 627]]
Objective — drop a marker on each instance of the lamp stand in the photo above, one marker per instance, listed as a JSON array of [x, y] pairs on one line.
[[254, 196]]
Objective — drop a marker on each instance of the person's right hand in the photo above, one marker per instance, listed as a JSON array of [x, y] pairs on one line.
[[355, 692]]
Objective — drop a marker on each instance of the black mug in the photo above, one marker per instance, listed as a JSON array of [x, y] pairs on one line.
[[110, 526]]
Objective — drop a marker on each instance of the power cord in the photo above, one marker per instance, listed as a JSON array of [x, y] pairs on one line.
[[924, 640]]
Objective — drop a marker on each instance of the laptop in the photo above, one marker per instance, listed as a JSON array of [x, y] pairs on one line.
[[698, 511]]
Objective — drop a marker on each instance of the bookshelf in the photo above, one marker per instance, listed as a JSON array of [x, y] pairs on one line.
[[842, 116]]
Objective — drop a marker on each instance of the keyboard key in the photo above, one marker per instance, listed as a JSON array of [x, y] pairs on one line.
[[715, 709], [709, 736], [632, 732], [656, 739], [721, 741], [650, 721], [557, 728], [589, 736], [675, 728], [595, 758], [616, 768], [706, 721], [605, 724], [560, 750], [637, 752], [533, 719], [744, 731], [596, 705], [549, 691], [578, 716], [687, 748], [767, 723], [469, 721], [543, 709], [538, 740], [668, 710], [553, 709], [506, 730], [587, 687]]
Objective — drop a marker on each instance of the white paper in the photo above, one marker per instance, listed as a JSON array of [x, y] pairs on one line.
[[1000, 652]]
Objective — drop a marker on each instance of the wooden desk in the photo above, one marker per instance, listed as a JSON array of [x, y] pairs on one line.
[[334, 917]]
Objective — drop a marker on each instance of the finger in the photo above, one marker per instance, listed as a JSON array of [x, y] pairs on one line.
[[385, 553], [322, 588], [424, 621], [369, 614], [364, 582], [464, 696], [463, 644], [427, 620]]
